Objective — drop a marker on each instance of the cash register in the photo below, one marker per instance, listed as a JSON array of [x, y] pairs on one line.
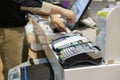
[[73, 48]]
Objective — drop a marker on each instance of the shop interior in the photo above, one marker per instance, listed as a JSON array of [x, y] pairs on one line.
[[89, 50]]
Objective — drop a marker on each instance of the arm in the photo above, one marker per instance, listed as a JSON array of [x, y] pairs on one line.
[[49, 9], [39, 6], [29, 3]]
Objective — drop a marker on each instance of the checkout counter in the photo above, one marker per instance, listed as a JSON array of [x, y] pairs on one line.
[[105, 71], [109, 70]]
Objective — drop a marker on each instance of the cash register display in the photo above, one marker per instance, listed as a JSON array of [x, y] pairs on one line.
[[79, 7]]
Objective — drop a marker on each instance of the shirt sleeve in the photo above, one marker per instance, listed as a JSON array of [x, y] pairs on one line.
[[29, 3], [45, 8]]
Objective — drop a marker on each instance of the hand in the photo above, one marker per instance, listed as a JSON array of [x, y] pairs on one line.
[[57, 22], [68, 15]]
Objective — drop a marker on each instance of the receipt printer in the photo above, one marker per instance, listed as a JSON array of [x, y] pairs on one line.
[[108, 39]]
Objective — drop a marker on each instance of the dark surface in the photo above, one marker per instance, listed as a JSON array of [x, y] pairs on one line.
[[38, 72]]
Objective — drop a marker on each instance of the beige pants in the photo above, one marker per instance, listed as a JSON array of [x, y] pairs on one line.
[[11, 44], [1, 68]]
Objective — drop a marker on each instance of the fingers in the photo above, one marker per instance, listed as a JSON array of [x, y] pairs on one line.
[[69, 16], [72, 18], [60, 27], [58, 23]]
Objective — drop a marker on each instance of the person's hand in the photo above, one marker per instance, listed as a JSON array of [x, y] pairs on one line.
[[57, 22], [68, 15]]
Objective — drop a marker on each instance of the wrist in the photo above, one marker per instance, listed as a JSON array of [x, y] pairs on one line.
[[56, 9], [60, 10], [46, 7]]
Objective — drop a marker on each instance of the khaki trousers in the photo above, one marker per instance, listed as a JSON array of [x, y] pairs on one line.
[[1, 68], [11, 45]]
